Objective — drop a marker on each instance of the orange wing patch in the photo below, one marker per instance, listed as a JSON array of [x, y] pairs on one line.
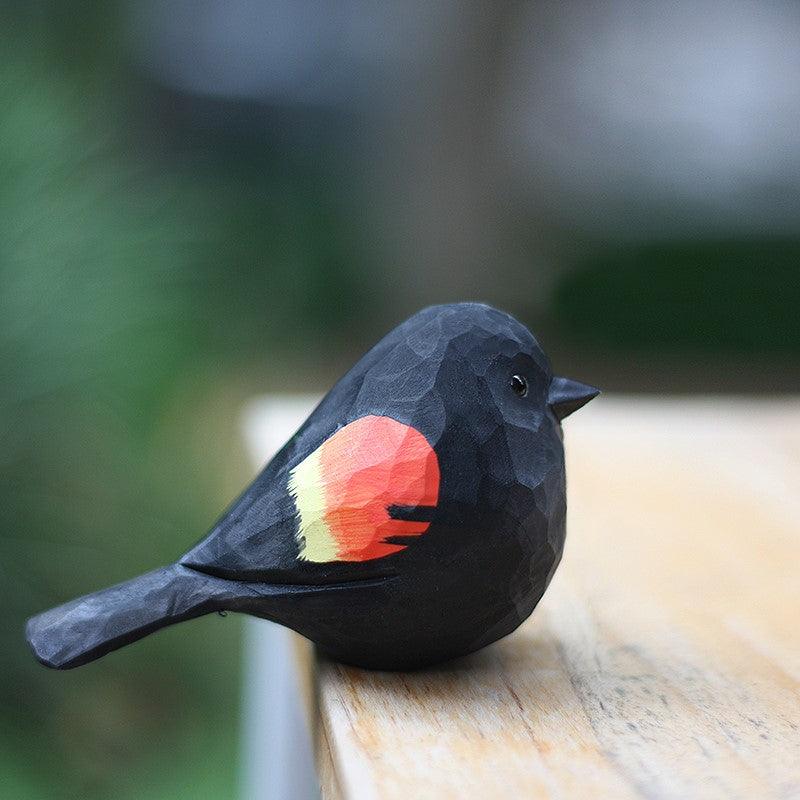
[[344, 489]]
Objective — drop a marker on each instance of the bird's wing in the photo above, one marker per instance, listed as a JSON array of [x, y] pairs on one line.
[[358, 497], [255, 539]]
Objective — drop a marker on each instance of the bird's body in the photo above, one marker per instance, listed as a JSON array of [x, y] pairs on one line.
[[417, 515]]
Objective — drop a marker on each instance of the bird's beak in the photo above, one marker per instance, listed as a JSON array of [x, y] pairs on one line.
[[566, 396]]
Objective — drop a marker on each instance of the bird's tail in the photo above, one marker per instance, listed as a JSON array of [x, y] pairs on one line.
[[91, 626]]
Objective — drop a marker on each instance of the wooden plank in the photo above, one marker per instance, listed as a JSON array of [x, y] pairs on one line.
[[663, 662]]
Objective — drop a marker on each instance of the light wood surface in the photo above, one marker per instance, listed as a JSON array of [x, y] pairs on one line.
[[664, 660]]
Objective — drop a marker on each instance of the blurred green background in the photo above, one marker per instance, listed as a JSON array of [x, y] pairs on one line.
[[202, 202]]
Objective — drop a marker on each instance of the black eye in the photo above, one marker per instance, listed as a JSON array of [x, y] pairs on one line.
[[519, 385]]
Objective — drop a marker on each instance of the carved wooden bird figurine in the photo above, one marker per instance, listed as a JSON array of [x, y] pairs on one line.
[[417, 515]]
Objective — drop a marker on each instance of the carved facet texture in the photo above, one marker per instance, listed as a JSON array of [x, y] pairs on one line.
[[417, 515]]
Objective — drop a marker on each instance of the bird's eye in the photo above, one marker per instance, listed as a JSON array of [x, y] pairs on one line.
[[519, 385]]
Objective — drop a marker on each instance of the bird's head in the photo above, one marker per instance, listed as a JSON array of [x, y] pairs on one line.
[[469, 363]]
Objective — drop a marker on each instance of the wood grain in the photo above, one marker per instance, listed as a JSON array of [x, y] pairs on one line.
[[664, 661]]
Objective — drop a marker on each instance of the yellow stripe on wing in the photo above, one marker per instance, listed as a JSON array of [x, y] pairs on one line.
[[308, 491]]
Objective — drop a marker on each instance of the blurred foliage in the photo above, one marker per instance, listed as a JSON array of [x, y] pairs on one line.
[[143, 282], [722, 296]]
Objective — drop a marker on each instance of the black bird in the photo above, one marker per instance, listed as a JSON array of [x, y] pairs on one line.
[[417, 515]]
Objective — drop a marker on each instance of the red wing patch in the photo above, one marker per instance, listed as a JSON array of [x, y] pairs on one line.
[[344, 489]]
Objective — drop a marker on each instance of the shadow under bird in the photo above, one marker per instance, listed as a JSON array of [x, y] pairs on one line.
[[417, 515]]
